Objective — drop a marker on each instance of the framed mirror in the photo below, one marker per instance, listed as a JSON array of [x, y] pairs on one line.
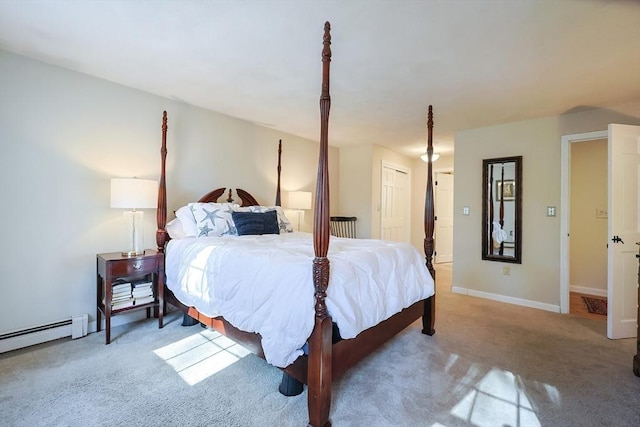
[[502, 209]]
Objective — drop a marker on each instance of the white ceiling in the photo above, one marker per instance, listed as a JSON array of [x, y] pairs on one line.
[[479, 63]]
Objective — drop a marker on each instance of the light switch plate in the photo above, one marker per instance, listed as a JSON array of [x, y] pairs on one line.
[[551, 211], [465, 210]]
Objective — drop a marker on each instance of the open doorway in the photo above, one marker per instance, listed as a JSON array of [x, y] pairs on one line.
[[444, 217], [565, 212], [588, 229]]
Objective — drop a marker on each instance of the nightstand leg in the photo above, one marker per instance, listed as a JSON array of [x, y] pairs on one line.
[[107, 326], [160, 291], [99, 300]]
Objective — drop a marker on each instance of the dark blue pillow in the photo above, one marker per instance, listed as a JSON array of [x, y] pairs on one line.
[[251, 223]]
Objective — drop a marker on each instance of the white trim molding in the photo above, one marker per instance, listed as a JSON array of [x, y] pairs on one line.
[[509, 300]]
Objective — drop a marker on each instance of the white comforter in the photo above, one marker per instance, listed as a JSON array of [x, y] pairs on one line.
[[264, 284]]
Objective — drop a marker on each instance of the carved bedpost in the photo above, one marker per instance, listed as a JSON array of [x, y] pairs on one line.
[[278, 202], [319, 368], [161, 215], [429, 316]]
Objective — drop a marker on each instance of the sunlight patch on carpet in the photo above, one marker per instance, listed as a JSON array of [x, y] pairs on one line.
[[201, 355], [496, 400]]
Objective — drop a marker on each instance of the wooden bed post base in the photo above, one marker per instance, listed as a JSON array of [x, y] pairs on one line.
[[429, 316], [319, 374]]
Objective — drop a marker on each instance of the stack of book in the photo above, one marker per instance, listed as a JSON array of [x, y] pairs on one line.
[[121, 295], [142, 293]]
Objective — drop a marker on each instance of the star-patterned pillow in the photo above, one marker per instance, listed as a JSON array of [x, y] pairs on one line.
[[213, 219]]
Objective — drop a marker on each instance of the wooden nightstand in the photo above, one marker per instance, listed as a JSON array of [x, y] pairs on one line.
[[114, 269]]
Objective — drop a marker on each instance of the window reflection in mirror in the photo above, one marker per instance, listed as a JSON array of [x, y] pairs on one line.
[[502, 209]]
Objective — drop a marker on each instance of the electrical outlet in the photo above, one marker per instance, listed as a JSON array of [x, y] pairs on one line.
[[506, 270], [551, 211], [465, 210]]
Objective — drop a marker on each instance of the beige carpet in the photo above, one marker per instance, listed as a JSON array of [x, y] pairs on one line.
[[489, 364]]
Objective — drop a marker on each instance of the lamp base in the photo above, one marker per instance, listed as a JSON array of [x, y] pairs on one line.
[[132, 253]]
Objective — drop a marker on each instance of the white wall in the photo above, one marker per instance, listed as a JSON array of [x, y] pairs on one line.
[[355, 186], [536, 281], [64, 134]]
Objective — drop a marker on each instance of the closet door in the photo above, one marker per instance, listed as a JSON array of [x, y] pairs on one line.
[[394, 204]]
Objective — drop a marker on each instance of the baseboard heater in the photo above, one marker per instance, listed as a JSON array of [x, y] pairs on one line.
[[75, 327]]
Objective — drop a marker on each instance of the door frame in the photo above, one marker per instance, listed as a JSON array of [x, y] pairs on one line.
[[565, 203]]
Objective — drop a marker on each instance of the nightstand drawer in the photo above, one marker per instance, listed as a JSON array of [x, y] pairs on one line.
[[130, 267]]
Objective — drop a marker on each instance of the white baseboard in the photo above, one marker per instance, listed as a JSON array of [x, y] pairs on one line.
[[65, 331], [34, 338], [589, 291], [508, 300]]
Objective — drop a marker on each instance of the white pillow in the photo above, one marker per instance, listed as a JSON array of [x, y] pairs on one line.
[[213, 219], [283, 222], [176, 230], [187, 221]]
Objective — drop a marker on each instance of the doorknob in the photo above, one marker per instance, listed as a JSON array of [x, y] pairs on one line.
[[617, 239]]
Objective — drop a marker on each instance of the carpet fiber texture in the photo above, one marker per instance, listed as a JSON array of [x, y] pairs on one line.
[[596, 305], [488, 364]]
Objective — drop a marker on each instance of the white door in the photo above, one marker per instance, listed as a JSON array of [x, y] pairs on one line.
[[394, 204], [623, 222], [444, 218]]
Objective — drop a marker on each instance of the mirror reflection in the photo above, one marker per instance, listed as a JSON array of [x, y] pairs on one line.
[[501, 213]]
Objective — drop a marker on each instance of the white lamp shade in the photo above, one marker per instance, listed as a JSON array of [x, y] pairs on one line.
[[300, 200], [134, 193]]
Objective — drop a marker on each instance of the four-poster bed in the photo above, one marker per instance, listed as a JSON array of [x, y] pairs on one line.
[[324, 357]]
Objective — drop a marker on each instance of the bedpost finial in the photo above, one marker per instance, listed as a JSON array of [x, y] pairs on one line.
[[326, 41]]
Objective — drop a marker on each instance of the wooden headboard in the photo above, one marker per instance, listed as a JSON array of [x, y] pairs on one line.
[[246, 199]]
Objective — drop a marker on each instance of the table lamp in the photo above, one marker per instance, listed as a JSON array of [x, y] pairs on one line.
[[133, 194], [300, 200]]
